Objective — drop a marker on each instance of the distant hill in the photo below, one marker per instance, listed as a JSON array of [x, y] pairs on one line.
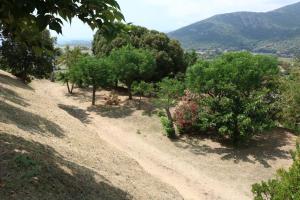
[[276, 31], [83, 43]]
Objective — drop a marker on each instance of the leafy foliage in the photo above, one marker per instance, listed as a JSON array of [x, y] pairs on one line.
[[142, 89], [168, 53], [168, 92], [93, 72], [23, 60], [68, 60], [285, 186], [168, 126], [18, 15], [291, 100], [186, 113], [130, 64], [239, 94]]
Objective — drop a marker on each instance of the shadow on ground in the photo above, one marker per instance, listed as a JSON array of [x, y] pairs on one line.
[[262, 149], [30, 170], [12, 96], [112, 111], [7, 80], [28, 121], [78, 113]]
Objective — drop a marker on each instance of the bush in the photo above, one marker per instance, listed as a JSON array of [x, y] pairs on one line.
[[168, 127], [291, 101], [285, 186], [186, 113], [239, 94]]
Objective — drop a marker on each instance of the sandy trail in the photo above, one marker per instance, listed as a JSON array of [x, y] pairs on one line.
[[197, 169]]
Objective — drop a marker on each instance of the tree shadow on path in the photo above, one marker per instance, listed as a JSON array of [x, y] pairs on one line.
[[76, 112], [262, 148]]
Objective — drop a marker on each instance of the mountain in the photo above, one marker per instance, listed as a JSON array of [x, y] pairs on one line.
[[269, 32]]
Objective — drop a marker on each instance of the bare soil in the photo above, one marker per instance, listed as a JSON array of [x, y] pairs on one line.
[[125, 148]]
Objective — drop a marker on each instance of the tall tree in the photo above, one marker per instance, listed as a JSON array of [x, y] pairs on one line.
[[130, 64], [168, 53], [68, 59], [92, 72], [239, 94], [23, 60]]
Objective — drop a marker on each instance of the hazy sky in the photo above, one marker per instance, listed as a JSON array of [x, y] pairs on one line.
[[168, 15]]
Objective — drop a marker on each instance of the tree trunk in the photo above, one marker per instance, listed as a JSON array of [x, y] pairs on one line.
[[94, 95], [72, 87], [116, 84], [68, 88], [140, 102], [129, 92], [169, 115]]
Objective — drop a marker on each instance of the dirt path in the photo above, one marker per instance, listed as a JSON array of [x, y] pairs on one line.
[[198, 169]]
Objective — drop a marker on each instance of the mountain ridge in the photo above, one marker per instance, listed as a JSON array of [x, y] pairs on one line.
[[269, 32]]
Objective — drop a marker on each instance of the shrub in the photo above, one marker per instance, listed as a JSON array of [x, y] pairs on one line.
[[239, 94], [186, 113], [168, 127], [285, 186], [291, 101]]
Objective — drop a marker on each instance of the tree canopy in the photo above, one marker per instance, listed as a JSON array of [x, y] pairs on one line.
[[239, 93], [168, 53], [93, 72], [23, 60], [16, 16], [130, 64]]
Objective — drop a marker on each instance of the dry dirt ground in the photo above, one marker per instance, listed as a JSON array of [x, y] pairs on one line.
[[124, 151]]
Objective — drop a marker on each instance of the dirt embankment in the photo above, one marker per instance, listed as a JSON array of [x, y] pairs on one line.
[[45, 153]]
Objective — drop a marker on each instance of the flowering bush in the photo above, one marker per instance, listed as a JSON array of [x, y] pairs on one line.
[[186, 113]]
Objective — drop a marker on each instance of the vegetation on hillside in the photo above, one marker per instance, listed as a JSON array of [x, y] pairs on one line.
[[23, 60], [168, 53], [286, 185], [270, 32]]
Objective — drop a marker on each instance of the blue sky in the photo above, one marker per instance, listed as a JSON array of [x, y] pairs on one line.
[[168, 15]]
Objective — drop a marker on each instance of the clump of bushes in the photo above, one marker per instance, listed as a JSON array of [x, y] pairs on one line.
[[291, 101], [285, 186], [239, 94]]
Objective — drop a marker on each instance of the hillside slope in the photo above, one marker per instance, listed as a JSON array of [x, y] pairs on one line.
[[45, 153], [277, 30], [57, 146]]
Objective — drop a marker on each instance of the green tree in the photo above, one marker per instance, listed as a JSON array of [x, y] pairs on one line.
[[24, 60], [285, 186], [129, 65], [67, 60], [239, 94], [92, 72], [142, 89], [16, 16], [168, 92], [291, 100], [168, 53], [190, 58]]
